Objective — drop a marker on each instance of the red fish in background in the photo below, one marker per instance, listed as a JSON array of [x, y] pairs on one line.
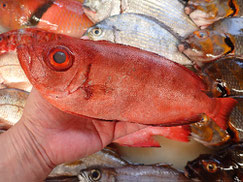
[[113, 82], [59, 16]]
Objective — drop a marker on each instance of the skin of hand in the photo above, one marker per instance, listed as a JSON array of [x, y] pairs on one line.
[[46, 137]]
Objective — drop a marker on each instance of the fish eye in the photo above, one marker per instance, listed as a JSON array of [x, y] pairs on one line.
[[60, 59], [210, 166], [4, 5], [201, 34], [97, 31], [95, 174]]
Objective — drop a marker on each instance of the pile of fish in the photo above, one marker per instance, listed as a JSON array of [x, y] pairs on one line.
[[174, 65]]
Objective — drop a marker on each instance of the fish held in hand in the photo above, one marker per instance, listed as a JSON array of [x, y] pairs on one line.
[[226, 165], [59, 16], [224, 38], [206, 12], [145, 33], [107, 81], [170, 12], [143, 173]]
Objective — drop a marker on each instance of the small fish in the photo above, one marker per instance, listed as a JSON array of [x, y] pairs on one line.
[[58, 16], [209, 134], [112, 82], [12, 103], [170, 12], [141, 173], [206, 12], [144, 137], [218, 40], [224, 77], [11, 73], [145, 33], [226, 165], [107, 157]]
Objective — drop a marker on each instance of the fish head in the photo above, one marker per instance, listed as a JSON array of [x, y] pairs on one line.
[[100, 31], [13, 14], [205, 167], [95, 174], [205, 12], [98, 10], [205, 46], [50, 61], [208, 132]]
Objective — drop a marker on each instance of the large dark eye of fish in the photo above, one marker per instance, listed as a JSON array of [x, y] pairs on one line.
[[210, 166], [95, 174], [60, 59], [97, 31], [4, 5]]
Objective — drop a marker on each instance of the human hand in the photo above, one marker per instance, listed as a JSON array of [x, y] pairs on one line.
[[46, 137]]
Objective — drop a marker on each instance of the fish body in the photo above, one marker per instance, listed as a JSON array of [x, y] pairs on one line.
[[236, 120], [12, 103], [170, 12], [224, 38], [204, 12], [224, 77], [112, 81], [58, 16], [226, 165], [141, 173], [145, 32], [11, 73]]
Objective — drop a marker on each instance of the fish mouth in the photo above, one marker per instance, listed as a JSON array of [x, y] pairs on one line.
[[191, 173]]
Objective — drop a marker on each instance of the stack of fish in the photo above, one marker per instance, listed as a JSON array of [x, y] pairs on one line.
[[161, 27]]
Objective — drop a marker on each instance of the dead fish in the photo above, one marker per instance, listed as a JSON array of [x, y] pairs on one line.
[[106, 158], [170, 12], [145, 33], [12, 103], [224, 77], [139, 173], [209, 134], [236, 120], [226, 165], [11, 73], [218, 40], [206, 12]]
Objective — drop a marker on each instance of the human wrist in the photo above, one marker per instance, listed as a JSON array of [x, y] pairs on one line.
[[22, 157]]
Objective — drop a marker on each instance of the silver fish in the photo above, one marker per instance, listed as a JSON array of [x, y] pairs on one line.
[[11, 73], [12, 103], [170, 12], [145, 33], [134, 173], [105, 158]]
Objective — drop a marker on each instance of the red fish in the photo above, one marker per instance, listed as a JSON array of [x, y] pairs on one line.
[[144, 137], [107, 81], [59, 16]]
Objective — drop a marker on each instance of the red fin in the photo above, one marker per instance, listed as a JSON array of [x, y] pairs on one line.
[[144, 137], [225, 107]]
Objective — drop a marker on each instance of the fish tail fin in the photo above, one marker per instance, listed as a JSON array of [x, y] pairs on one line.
[[225, 106]]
